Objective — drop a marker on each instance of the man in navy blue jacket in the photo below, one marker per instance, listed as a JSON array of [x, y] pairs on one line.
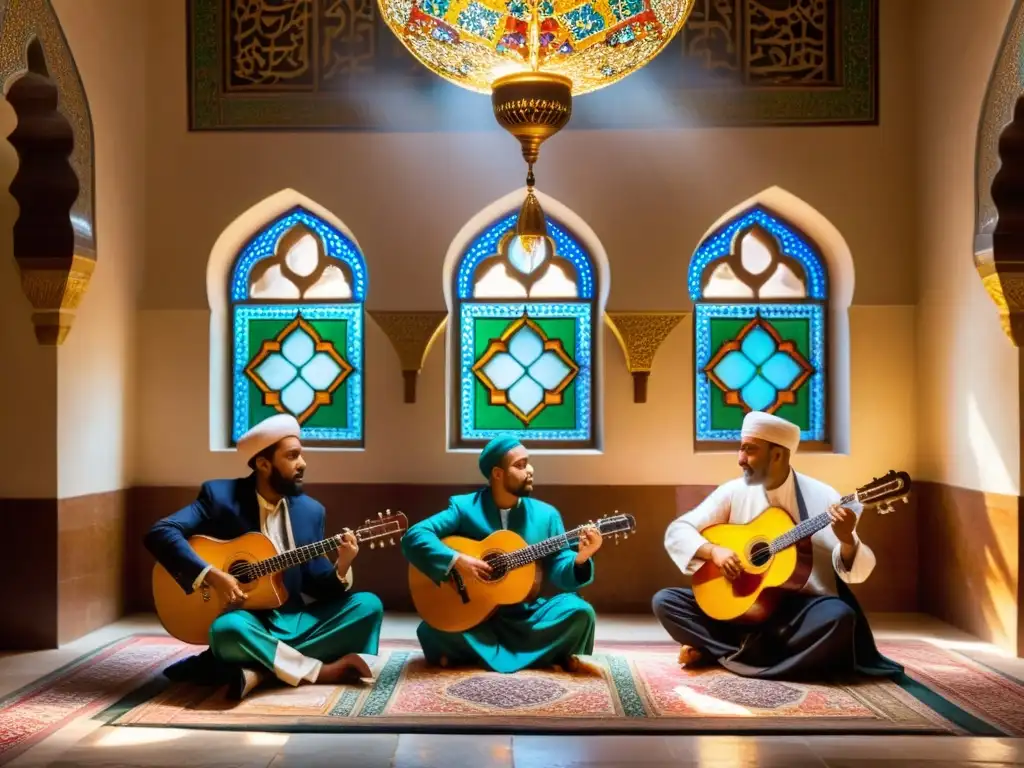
[[323, 641]]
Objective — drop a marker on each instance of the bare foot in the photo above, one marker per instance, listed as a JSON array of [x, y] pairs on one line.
[[346, 669], [690, 656]]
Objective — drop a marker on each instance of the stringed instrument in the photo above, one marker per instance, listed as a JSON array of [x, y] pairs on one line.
[[463, 601], [254, 560], [776, 554]]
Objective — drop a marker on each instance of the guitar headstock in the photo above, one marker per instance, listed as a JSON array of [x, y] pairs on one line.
[[616, 525], [883, 491], [383, 531]]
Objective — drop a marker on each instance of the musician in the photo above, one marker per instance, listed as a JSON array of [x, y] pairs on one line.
[[326, 641], [538, 633], [818, 632]]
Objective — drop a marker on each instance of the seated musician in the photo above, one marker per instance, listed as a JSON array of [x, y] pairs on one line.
[[816, 632], [539, 633], [319, 642]]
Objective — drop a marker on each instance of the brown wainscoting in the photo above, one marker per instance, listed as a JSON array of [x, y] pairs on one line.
[[969, 543], [628, 574], [90, 562], [28, 529]]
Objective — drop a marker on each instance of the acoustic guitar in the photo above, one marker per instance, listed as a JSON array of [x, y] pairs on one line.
[[463, 601], [254, 560], [776, 554]]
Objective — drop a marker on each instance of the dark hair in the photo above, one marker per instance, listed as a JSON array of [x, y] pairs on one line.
[[267, 453]]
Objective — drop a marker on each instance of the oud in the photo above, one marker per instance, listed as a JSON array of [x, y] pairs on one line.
[[254, 560], [463, 601], [776, 554]]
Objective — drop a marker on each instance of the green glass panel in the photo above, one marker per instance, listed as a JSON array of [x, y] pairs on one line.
[[335, 331], [561, 416], [730, 417]]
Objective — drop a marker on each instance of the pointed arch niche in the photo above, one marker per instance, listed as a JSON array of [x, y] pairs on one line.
[[524, 341], [287, 283], [771, 283]]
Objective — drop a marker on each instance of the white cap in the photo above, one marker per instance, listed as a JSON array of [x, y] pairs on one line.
[[268, 432], [771, 428]]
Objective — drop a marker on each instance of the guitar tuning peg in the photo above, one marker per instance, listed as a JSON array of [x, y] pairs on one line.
[[380, 515], [391, 542], [388, 511], [905, 499], [373, 545]]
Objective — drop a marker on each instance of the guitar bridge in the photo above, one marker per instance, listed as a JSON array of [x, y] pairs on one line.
[[460, 586]]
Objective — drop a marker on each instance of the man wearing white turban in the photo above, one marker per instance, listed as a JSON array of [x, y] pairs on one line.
[[816, 632], [325, 641]]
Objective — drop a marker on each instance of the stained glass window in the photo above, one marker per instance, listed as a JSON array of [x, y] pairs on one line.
[[296, 295], [760, 294], [524, 321]]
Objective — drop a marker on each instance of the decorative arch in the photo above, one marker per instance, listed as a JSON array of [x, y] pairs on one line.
[[286, 284], [55, 234], [524, 340], [771, 283], [999, 182]]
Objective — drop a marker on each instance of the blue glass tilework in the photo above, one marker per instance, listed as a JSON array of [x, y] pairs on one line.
[[719, 245], [263, 245]]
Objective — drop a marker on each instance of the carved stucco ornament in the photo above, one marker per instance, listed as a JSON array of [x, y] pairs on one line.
[[411, 334], [999, 179], [640, 334], [54, 235]]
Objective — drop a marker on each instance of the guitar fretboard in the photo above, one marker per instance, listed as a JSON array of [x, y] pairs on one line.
[[808, 527], [304, 554], [542, 549]]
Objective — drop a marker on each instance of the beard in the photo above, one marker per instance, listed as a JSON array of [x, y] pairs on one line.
[[752, 477], [522, 490], [284, 486]]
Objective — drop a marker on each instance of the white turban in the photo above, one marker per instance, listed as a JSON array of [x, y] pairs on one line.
[[772, 429], [268, 432]]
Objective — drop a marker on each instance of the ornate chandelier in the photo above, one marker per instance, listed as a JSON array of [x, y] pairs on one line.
[[533, 55]]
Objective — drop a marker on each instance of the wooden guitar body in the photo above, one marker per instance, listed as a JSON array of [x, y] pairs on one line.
[[753, 596], [188, 617], [442, 605]]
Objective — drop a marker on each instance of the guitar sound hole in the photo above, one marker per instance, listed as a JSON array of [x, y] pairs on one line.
[[760, 554], [240, 570], [497, 562]]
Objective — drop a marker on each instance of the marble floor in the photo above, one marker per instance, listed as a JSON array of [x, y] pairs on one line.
[[89, 744]]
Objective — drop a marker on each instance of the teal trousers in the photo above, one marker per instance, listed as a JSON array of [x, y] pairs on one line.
[[324, 631], [537, 634]]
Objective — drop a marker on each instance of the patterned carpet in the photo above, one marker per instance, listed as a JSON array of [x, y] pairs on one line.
[[624, 688]]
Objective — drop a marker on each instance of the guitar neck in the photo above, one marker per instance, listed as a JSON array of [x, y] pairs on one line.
[[808, 527], [304, 554], [541, 549]]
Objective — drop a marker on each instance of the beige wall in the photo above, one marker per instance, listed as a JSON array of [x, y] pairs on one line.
[[649, 196], [96, 378], [968, 405]]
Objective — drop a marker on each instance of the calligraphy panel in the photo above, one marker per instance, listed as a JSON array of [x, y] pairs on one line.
[[333, 64]]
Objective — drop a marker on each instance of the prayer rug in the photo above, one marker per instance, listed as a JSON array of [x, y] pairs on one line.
[[623, 688]]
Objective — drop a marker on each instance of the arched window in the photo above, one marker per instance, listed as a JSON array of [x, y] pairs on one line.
[[295, 299], [524, 334], [760, 289]]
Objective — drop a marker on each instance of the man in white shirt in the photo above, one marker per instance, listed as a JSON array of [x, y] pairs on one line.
[[323, 641], [817, 631]]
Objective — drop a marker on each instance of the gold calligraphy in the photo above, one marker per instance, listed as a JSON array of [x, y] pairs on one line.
[[348, 37], [269, 44], [789, 42], [712, 35]]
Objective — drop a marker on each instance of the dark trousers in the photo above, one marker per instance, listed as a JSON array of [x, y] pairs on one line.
[[808, 636]]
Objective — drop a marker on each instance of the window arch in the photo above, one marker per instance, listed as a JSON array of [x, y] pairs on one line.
[[762, 328], [524, 334], [294, 323]]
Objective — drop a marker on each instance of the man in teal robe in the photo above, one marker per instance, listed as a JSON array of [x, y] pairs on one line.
[[327, 640], [538, 633]]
